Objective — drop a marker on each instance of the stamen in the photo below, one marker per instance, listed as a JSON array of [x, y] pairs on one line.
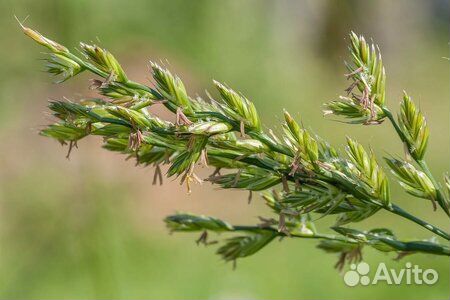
[[359, 70], [71, 145], [181, 118], [242, 128], [157, 175]]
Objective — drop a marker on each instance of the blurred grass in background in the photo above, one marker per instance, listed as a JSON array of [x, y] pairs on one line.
[[92, 227]]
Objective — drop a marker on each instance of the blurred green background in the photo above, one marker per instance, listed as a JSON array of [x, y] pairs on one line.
[[92, 227]]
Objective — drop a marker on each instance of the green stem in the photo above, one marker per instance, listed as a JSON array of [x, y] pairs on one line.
[[262, 137], [296, 235], [399, 211], [276, 148], [389, 115], [413, 246], [423, 165], [270, 165], [417, 246], [391, 208]]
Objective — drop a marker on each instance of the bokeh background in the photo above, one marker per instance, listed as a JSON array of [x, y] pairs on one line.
[[91, 226]]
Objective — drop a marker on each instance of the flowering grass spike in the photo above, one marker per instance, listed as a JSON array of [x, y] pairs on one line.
[[302, 177]]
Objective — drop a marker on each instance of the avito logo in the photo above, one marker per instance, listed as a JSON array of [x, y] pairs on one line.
[[359, 274]]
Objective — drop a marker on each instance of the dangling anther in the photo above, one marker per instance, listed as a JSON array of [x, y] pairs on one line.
[[341, 261], [181, 118], [351, 87], [372, 107], [242, 128], [135, 140], [203, 238], [204, 157], [72, 144], [215, 173], [189, 176], [282, 225], [359, 70], [365, 98], [236, 178], [95, 84], [265, 222], [295, 165], [157, 176]]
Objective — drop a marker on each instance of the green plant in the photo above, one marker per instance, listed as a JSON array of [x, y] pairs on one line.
[[300, 175]]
